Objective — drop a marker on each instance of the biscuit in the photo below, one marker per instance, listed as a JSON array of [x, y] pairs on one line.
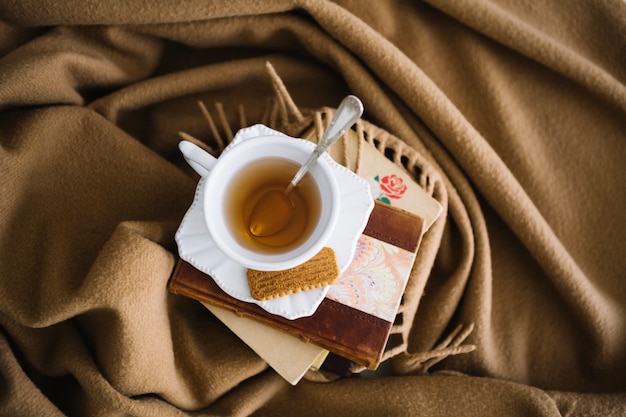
[[319, 271]]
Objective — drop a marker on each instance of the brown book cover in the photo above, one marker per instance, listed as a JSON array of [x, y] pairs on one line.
[[341, 324]]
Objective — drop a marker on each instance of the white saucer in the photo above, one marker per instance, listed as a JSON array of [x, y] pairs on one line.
[[196, 246]]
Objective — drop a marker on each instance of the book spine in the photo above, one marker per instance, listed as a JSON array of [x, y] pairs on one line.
[[315, 330]]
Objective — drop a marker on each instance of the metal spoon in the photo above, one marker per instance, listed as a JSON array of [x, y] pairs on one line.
[[274, 209]]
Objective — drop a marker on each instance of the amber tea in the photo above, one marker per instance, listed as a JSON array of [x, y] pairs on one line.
[[251, 183]]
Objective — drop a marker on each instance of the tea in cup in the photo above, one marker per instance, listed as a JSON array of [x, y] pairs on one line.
[[244, 172]]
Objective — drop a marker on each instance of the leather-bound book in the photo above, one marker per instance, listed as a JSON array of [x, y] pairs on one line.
[[355, 318]]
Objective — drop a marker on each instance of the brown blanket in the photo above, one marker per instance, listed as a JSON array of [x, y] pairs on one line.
[[516, 108]]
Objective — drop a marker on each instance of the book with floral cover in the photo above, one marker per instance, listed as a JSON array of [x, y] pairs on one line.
[[355, 319]]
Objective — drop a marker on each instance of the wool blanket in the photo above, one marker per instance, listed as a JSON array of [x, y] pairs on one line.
[[512, 114]]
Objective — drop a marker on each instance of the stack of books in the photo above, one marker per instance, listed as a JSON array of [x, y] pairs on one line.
[[355, 318]]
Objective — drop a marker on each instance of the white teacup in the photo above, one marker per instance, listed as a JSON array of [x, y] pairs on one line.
[[220, 174]]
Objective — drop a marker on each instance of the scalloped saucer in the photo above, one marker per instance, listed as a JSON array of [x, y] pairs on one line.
[[196, 246]]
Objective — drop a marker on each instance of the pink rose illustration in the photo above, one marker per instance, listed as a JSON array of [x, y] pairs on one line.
[[392, 186]]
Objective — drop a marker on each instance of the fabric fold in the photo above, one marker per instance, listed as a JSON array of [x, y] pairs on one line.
[[510, 114]]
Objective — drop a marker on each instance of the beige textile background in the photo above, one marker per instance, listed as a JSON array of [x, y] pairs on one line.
[[518, 107]]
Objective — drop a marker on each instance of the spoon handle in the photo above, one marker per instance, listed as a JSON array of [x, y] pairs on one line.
[[348, 112]]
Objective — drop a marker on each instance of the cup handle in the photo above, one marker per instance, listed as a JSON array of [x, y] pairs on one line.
[[200, 160]]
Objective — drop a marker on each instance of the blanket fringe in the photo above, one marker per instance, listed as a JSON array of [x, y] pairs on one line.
[[421, 362]]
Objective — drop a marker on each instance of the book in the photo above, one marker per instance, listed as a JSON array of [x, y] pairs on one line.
[[287, 355], [355, 319]]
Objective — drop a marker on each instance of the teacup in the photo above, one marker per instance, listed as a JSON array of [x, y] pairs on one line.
[[243, 172]]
